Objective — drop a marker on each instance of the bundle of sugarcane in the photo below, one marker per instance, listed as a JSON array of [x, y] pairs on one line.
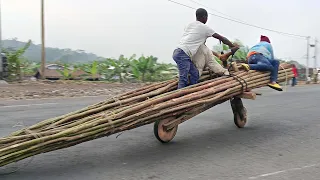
[[160, 101]]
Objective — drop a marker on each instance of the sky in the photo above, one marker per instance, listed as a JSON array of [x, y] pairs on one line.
[[109, 28]]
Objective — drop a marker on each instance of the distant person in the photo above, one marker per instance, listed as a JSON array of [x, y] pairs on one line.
[[195, 34], [309, 79], [261, 58], [295, 73]]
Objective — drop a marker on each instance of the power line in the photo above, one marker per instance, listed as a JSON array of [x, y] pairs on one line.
[[215, 10], [244, 23]]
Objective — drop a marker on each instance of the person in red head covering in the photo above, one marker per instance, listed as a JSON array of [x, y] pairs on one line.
[[264, 38], [261, 58]]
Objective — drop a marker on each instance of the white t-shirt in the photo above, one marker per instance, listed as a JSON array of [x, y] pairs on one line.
[[195, 34]]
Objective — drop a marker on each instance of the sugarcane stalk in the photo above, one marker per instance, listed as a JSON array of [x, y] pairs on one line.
[[108, 126]]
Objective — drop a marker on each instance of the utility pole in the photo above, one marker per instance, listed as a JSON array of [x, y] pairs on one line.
[[307, 68], [315, 61], [314, 74], [1, 62], [315, 53], [43, 51]]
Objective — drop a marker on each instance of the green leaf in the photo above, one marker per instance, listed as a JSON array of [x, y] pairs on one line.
[[94, 68]]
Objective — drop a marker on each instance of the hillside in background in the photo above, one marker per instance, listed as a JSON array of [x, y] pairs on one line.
[[33, 53]]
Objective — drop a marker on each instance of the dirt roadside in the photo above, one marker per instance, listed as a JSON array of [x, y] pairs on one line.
[[54, 89], [63, 89]]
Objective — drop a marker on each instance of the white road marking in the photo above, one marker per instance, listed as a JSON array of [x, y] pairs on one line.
[[283, 171], [27, 105]]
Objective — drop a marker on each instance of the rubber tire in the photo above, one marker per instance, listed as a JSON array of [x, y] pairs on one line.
[[239, 112], [156, 132], [240, 118]]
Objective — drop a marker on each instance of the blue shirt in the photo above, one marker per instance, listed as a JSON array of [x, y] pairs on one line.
[[264, 48]]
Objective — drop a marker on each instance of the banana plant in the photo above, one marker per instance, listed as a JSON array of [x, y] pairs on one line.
[[118, 68], [14, 58], [142, 66], [162, 71], [65, 72], [94, 70], [148, 69], [242, 52], [29, 68], [240, 55]]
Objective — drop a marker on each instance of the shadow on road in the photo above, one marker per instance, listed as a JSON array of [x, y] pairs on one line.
[[139, 149]]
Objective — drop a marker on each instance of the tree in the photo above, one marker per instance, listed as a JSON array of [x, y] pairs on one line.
[[65, 72], [92, 69], [29, 68], [15, 60], [142, 66], [118, 68], [163, 71], [148, 69], [239, 56]]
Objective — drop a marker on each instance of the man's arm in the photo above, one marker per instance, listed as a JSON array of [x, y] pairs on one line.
[[223, 39], [224, 57], [216, 54], [213, 65]]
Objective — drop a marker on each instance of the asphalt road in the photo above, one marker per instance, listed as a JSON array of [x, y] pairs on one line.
[[281, 141]]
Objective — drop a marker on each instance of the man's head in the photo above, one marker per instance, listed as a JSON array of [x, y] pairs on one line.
[[264, 38], [202, 15]]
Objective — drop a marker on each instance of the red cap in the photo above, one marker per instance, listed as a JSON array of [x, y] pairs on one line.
[[264, 38]]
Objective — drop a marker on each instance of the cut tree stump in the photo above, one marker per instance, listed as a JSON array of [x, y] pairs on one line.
[[234, 66], [248, 95]]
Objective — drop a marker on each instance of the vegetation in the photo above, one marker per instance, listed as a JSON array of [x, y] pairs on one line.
[[118, 68], [239, 56], [123, 69], [16, 62], [142, 69], [65, 72], [148, 69]]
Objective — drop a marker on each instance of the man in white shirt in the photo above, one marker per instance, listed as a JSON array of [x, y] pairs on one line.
[[195, 35]]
